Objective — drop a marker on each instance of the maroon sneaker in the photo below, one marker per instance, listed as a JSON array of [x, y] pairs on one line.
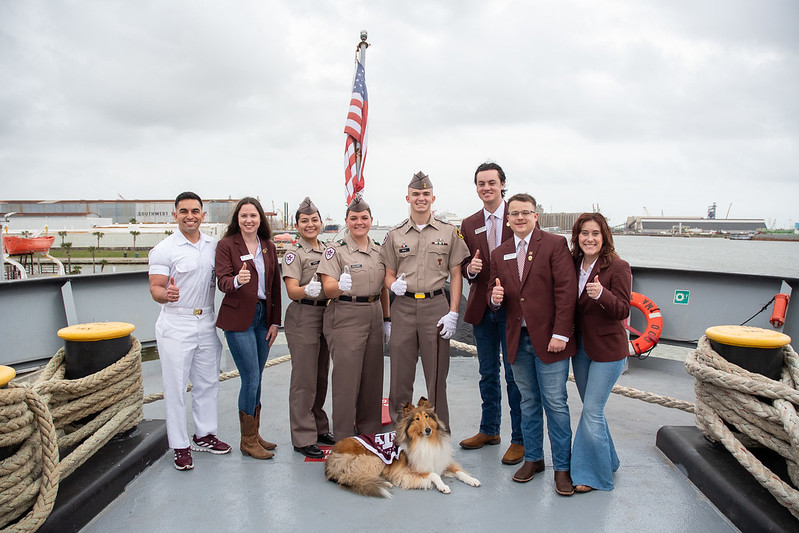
[[209, 443], [183, 459]]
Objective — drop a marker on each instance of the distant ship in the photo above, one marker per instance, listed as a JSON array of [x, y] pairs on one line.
[[331, 226]]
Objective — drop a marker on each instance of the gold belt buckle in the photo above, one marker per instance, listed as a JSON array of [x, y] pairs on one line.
[[197, 312], [418, 295]]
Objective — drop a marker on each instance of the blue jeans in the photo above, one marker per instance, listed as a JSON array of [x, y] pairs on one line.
[[489, 336], [594, 457], [250, 349], [543, 384]]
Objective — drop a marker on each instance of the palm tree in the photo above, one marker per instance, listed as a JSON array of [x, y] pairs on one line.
[[99, 235], [63, 235], [93, 250], [67, 246], [103, 263], [135, 234], [168, 232]]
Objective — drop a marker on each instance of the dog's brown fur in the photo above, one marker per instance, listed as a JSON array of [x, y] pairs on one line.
[[425, 456]]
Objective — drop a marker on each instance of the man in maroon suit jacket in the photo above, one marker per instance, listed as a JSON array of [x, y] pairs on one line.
[[536, 283], [483, 232]]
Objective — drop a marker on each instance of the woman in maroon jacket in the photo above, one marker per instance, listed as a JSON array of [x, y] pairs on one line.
[[248, 273], [603, 303]]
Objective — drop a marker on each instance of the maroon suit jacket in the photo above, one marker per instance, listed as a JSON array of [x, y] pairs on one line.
[[479, 287], [544, 296], [238, 306], [599, 322]]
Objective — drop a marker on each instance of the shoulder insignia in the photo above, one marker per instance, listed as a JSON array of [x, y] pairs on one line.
[[342, 242], [385, 238], [329, 253], [458, 233], [289, 258]]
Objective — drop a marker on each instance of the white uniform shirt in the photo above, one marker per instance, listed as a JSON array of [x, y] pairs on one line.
[[192, 266]]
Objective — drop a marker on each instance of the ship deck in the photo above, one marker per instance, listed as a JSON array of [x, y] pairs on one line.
[[287, 493]]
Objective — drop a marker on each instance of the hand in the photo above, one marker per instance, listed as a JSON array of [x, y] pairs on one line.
[[314, 288], [594, 289], [476, 264], [271, 335], [497, 293], [345, 281], [448, 324], [244, 275], [556, 345], [387, 331], [172, 291], [400, 286]]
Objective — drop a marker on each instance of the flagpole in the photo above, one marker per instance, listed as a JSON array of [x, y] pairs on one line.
[[362, 46]]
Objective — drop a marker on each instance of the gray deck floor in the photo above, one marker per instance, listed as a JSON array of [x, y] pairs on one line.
[[236, 493]]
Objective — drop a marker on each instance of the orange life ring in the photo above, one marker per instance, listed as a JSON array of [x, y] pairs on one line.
[[654, 324]]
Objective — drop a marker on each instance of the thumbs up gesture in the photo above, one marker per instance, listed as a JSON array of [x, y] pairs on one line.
[[244, 274], [497, 294], [345, 281], [476, 264], [314, 287], [172, 291], [400, 286], [594, 288]]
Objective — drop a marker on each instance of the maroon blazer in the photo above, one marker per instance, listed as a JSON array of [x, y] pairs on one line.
[[479, 287], [599, 322], [545, 296], [238, 306]]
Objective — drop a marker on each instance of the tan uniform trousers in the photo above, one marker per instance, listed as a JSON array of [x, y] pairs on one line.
[[354, 334], [310, 362], [414, 332]]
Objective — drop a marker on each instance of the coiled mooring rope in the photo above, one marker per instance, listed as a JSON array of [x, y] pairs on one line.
[[728, 396], [31, 417]]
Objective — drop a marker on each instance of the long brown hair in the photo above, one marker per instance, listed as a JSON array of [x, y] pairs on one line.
[[607, 251], [264, 231]]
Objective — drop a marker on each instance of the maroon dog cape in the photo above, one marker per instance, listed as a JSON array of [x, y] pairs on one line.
[[381, 444]]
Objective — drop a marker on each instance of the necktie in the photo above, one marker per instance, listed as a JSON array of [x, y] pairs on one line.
[[520, 253], [492, 234]]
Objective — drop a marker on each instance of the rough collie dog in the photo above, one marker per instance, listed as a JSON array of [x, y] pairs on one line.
[[419, 455]]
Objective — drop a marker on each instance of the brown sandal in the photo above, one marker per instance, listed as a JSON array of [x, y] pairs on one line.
[[582, 489]]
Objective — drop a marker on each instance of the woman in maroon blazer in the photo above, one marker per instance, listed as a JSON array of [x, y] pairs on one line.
[[248, 273], [603, 303]]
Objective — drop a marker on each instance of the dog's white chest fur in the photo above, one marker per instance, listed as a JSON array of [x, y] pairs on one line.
[[428, 455]]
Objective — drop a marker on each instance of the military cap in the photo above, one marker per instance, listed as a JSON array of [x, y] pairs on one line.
[[357, 205], [420, 181], [307, 207]]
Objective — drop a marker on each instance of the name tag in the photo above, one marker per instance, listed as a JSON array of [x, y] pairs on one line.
[[478, 231], [247, 257], [507, 257], [356, 266], [314, 263]]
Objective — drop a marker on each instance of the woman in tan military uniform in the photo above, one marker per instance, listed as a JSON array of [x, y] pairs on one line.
[[310, 358], [352, 275]]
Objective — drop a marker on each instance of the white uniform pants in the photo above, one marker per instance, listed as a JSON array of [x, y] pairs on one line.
[[189, 349]]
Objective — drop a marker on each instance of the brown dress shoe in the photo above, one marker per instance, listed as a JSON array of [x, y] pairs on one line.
[[528, 471], [479, 440], [514, 455], [563, 483]]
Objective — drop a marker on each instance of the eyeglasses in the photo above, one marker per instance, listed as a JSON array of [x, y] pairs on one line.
[[525, 213]]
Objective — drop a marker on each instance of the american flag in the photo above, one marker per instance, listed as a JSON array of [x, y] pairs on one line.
[[355, 129]]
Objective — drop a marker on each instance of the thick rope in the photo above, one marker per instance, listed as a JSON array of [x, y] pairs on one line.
[[729, 398]]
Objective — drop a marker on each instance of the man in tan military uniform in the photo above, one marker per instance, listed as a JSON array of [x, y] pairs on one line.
[[352, 274], [310, 358], [419, 255]]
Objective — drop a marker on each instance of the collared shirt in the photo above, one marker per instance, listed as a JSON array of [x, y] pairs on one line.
[[192, 266], [366, 268], [425, 256], [301, 264], [500, 214], [584, 279]]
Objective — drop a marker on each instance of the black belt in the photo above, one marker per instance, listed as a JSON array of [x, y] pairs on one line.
[[307, 301], [420, 295], [359, 299]]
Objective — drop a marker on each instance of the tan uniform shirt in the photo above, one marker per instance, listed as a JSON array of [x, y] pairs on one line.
[[424, 256], [301, 264], [366, 268]]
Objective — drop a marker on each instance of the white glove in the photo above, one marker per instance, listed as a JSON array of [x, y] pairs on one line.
[[448, 322], [314, 288], [345, 281], [400, 286], [387, 330]]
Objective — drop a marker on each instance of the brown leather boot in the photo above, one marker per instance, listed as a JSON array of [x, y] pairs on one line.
[[249, 443], [265, 444]]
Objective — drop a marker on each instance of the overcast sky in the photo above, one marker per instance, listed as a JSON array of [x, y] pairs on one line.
[[666, 106]]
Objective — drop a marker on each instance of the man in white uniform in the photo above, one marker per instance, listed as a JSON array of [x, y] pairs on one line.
[[182, 279]]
